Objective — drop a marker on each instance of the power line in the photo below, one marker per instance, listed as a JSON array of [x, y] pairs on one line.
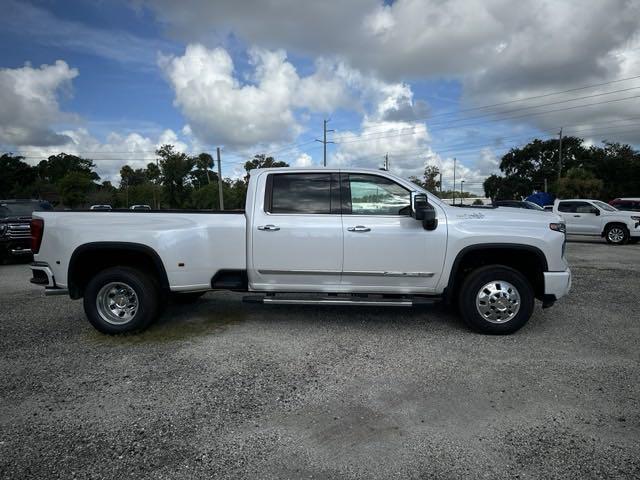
[[359, 138], [524, 99]]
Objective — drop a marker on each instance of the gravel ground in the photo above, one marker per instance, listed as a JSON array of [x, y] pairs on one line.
[[230, 390]]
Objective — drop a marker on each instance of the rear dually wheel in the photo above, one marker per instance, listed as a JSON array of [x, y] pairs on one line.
[[120, 300]]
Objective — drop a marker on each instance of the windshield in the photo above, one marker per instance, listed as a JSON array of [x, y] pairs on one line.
[[24, 209], [604, 206], [533, 206]]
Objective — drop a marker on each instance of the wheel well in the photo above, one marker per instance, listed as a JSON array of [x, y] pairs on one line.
[[87, 260], [529, 261], [611, 224]]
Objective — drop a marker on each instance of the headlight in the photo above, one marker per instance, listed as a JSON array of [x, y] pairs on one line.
[[558, 227], [635, 217]]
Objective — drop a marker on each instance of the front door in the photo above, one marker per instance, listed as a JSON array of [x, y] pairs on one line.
[[385, 249], [297, 234], [580, 217]]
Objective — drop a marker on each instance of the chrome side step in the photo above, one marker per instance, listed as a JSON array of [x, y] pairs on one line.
[[364, 301]]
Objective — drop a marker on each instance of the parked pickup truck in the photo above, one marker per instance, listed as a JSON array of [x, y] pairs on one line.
[[596, 218], [308, 236]]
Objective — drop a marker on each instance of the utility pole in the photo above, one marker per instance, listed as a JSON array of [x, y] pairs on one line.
[[220, 197], [560, 155], [440, 184], [461, 190], [324, 139], [454, 182], [386, 162]]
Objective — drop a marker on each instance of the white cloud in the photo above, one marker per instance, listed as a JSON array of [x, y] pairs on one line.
[[221, 109], [303, 160], [110, 155], [498, 50], [29, 103]]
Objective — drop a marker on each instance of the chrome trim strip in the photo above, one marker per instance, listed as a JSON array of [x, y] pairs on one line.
[[358, 273], [389, 274], [299, 272], [291, 301]]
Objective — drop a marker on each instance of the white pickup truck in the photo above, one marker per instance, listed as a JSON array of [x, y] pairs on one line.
[[308, 236], [596, 218]]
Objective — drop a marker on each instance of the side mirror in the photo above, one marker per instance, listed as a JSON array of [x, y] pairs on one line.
[[597, 212], [422, 210]]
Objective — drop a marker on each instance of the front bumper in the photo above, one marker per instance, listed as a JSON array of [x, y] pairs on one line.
[[17, 247], [557, 284]]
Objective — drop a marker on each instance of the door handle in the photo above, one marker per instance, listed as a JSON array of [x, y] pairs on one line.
[[359, 228], [268, 228], [578, 216]]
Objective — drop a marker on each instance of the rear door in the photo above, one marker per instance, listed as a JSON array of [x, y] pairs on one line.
[[385, 249], [297, 233]]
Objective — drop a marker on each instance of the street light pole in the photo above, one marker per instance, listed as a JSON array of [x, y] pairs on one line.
[[461, 190]]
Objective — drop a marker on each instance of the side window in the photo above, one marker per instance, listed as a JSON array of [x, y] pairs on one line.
[[300, 193], [584, 207], [374, 195], [567, 207]]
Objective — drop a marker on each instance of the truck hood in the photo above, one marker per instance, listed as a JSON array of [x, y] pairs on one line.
[[506, 215]]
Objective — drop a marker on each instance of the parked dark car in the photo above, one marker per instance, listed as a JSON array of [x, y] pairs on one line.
[[626, 204], [518, 204], [15, 233]]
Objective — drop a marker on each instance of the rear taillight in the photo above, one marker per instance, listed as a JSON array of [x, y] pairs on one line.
[[37, 230]]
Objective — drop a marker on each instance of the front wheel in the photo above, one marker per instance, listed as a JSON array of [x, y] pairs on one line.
[[496, 299], [120, 300], [616, 234]]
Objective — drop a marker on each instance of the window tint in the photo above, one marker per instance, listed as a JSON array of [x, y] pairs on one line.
[[373, 195], [568, 207], [300, 193]]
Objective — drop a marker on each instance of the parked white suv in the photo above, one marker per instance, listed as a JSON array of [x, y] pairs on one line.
[[593, 217]]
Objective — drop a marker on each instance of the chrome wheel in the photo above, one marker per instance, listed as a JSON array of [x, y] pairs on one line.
[[498, 301], [615, 235], [117, 303]]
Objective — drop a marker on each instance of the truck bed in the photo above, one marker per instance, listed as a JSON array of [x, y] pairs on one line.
[[193, 245]]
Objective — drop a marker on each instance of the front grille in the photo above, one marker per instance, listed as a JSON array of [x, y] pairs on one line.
[[16, 231]]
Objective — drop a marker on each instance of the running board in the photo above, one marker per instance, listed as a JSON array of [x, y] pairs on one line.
[[367, 302]]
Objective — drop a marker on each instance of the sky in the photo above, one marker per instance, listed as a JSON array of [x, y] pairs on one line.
[[424, 82]]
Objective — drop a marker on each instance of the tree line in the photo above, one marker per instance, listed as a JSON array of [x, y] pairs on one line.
[[602, 172], [175, 180]]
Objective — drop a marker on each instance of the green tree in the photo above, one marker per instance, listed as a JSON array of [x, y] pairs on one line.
[[17, 177], [262, 161], [202, 173], [430, 179], [57, 166], [506, 188], [175, 168], [579, 183], [74, 188]]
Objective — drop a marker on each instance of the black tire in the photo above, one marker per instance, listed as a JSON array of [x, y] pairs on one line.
[[471, 289], [186, 298], [616, 234], [147, 295]]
